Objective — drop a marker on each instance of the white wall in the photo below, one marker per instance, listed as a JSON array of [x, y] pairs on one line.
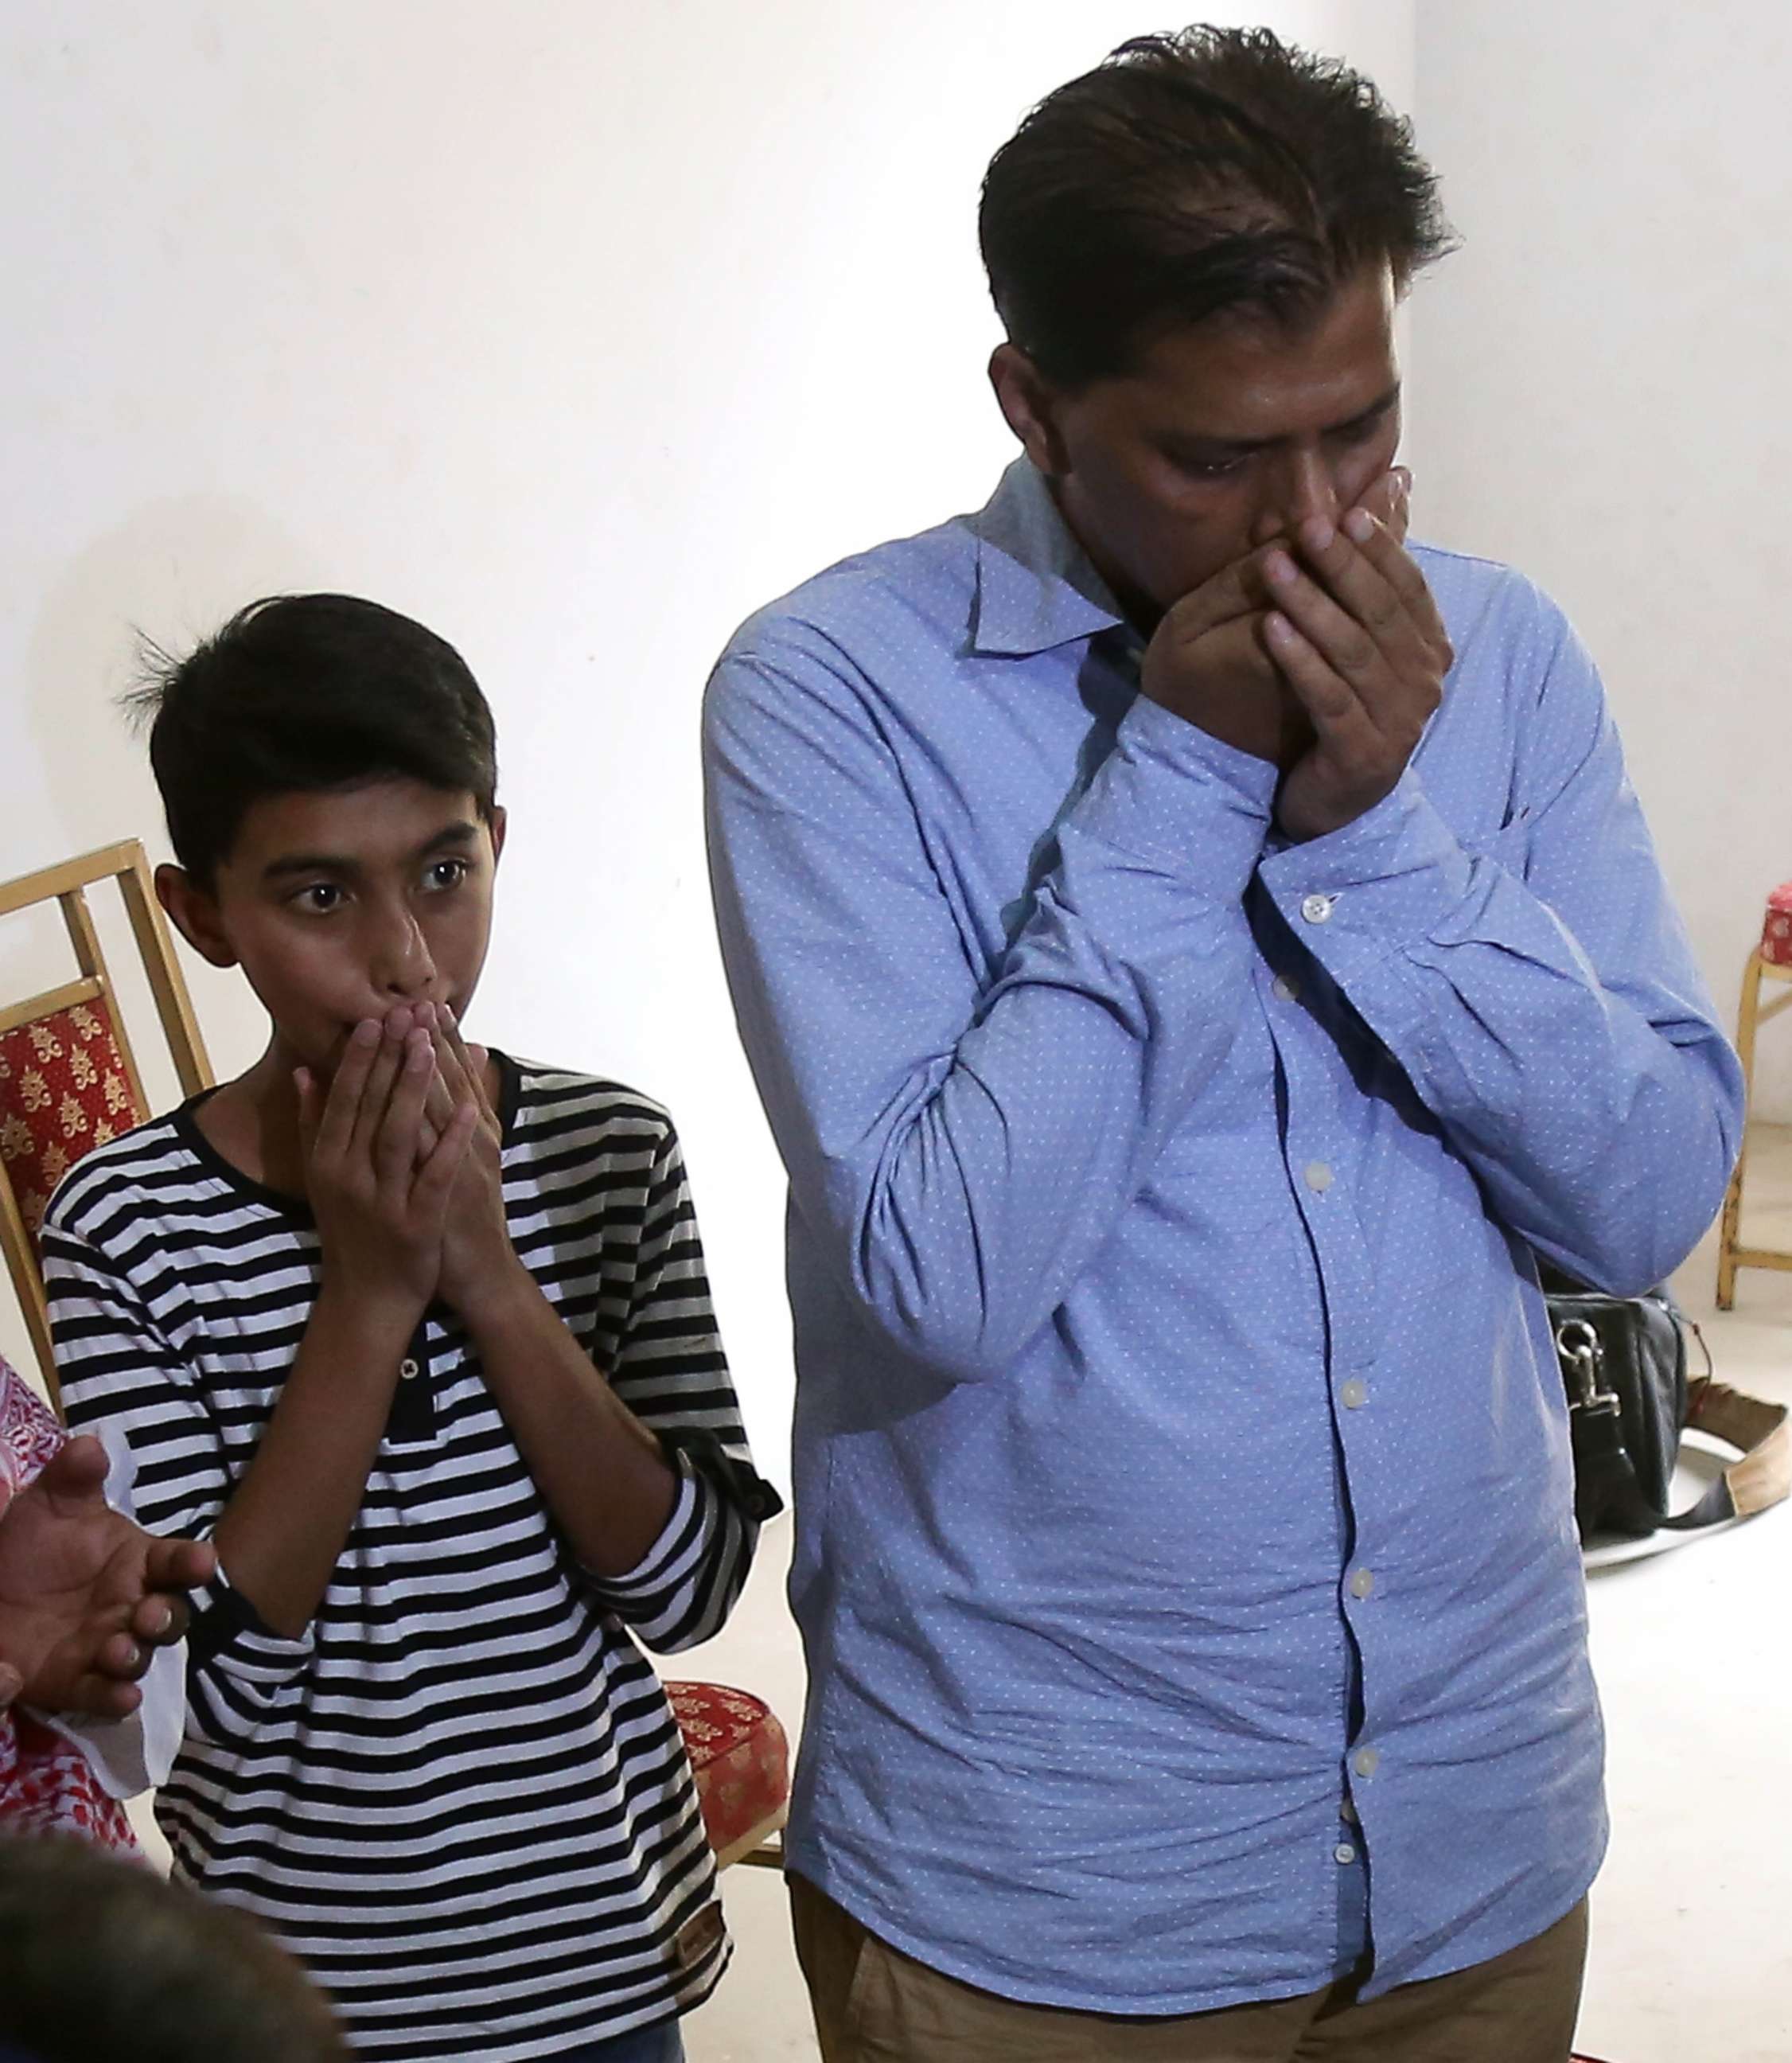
[[1601, 395], [576, 328]]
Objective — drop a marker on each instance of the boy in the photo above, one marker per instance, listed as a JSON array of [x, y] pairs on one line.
[[419, 1336]]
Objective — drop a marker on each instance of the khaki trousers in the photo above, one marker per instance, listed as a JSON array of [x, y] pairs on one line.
[[874, 2005]]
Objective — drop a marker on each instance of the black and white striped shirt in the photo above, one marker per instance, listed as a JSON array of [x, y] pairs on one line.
[[459, 1796]]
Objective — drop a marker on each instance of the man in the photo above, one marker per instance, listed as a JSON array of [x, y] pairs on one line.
[[1196, 953]]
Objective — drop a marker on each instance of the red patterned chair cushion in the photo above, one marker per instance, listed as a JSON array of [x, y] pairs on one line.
[[1776, 932], [63, 1091], [740, 1759]]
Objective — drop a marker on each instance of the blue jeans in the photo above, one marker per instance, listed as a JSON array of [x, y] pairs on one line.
[[658, 2043]]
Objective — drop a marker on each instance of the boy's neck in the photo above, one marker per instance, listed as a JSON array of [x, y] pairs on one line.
[[253, 1122]]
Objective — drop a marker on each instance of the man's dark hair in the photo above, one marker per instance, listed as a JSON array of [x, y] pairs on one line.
[[1190, 175], [100, 1958], [306, 692]]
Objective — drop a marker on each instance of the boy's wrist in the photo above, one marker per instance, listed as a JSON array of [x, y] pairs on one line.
[[503, 1295], [374, 1316]]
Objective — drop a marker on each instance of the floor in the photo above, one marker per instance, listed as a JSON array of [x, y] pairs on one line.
[[1689, 1961]]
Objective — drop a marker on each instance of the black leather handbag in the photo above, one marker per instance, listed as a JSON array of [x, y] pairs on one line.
[[1630, 1402]]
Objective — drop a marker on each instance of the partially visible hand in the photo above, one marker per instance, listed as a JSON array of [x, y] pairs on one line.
[[86, 1594], [478, 1259], [1358, 639], [1206, 663], [380, 1196], [1210, 663]]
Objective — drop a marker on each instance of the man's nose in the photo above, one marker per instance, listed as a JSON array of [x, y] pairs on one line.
[[403, 969], [1303, 487]]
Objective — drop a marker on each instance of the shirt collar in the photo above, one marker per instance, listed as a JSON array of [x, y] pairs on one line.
[[1035, 586]]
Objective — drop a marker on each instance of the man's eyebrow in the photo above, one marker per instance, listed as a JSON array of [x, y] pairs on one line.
[[1206, 447], [452, 837]]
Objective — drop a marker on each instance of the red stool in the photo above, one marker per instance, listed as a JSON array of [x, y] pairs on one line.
[[1771, 961], [741, 1762]]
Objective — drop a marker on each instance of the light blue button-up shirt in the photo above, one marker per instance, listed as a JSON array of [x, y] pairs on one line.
[[1181, 1458]]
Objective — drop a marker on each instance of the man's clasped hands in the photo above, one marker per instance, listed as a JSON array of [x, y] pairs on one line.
[[1321, 651]]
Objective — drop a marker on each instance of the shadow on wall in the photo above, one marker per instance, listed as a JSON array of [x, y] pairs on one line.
[[173, 570]]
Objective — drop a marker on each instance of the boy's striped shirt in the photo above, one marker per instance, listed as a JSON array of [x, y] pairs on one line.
[[461, 1796]]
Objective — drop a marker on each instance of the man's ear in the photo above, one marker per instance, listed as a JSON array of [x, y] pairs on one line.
[[500, 819], [193, 912], [1029, 402]]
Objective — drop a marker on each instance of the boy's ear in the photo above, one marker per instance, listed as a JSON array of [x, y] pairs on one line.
[[500, 819], [193, 912]]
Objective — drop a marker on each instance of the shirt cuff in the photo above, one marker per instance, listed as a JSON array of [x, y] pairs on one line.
[[644, 1583], [1173, 795], [228, 1632], [133, 1754], [1361, 893]]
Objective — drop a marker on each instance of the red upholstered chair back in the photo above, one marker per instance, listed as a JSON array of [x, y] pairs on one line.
[[68, 1077]]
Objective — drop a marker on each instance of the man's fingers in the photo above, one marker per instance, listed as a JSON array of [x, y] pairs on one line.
[[1345, 731], [1231, 592], [1349, 648], [1389, 500]]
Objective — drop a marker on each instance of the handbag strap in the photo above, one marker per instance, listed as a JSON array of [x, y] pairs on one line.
[[1763, 1433]]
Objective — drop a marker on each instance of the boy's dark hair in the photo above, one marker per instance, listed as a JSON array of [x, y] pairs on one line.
[[100, 1958], [303, 692], [1188, 174]]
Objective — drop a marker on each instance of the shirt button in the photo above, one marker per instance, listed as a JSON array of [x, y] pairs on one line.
[[1355, 1394], [1318, 1176], [1366, 1762], [1317, 909], [1286, 989], [1343, 1852], [408, 1368], [1362, 1583], [1347, 1813]]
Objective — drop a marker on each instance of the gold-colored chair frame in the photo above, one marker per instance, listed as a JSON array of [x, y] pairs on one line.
[[67, 884], [1751, 1015]]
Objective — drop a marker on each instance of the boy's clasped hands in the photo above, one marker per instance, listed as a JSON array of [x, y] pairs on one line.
[[403, 1164]]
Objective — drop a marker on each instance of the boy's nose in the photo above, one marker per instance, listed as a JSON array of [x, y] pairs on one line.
[[404, 970]]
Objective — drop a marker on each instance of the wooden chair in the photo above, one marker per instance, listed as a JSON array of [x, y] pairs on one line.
[[1771, 961], [68, 1079], [69, 1082]]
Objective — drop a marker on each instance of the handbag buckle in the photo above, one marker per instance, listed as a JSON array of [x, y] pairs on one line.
[[1583, 1360]]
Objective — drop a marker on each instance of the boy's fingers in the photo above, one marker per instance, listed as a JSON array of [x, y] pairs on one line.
[[376, 1096], [335, 1125], [395, 1146], [436, 1177]]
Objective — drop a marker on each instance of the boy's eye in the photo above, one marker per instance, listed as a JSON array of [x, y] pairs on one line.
[[445, 873], [319, 898]]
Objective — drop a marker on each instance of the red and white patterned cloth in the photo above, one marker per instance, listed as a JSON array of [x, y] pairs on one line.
[[1776, 932], [738, 1755], [64, 1090], [47, 1785]]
